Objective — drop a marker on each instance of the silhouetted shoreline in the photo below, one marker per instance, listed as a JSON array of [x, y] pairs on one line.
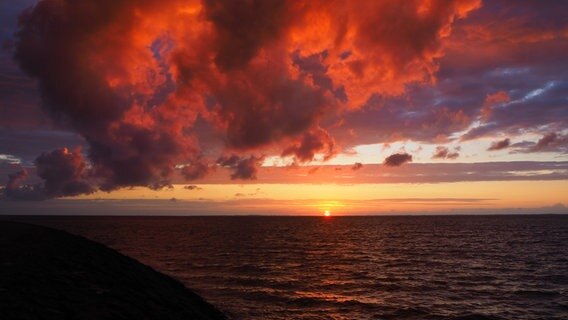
[[51, 274]]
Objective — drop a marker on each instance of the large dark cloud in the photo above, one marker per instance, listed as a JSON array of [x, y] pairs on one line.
[[132, 78], [97, 94], [244, 27], [506, 47]]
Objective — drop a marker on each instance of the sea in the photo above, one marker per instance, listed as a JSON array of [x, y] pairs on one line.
[[375, 267]]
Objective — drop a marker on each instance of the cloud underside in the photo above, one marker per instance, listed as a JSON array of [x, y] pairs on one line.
[[183, 91], [259, 75]]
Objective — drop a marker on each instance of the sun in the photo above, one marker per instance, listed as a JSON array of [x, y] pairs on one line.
[[327, 213]]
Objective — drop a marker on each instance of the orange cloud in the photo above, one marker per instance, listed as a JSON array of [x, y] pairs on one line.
[[134, 77], [490, 101]]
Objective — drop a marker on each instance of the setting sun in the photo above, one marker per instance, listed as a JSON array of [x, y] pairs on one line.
[[327, 213]]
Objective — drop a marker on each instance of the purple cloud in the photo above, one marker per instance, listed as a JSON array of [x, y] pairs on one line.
[[499, 145], [397, 159]]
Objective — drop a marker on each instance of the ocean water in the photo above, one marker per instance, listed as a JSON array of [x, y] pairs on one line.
[[414, 267]]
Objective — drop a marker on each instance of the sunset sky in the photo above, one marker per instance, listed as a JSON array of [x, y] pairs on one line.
[[283, 107]]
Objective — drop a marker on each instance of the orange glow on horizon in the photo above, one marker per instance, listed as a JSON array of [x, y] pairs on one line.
[[310, 199]]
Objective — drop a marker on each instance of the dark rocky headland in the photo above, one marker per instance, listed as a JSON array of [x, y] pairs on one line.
[[50, 274]]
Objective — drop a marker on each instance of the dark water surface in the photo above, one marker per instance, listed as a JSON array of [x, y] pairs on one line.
[[436, 267]]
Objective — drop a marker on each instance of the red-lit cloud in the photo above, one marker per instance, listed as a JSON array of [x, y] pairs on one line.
[[315, 141], [64, 173], [499, 145], [242, 168], [134, 77]]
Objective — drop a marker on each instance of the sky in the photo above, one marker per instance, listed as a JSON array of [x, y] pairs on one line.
[[283, 107]]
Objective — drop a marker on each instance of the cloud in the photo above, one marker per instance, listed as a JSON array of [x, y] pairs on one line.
[[27, 143], [251, 194], [549, 142], [481, 70], [242, 168], [499, 145], [390, 119], [356, 166], [492, 100], [64, 173], [261, 75], [196, 170], [442, 152], [397, 159], [192, 187], [412, 173], [16, 190], [497, 52], [16, 179], [311, 143], [518, 52]]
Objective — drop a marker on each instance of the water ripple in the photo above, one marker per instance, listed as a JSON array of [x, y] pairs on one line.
[[490, 267]]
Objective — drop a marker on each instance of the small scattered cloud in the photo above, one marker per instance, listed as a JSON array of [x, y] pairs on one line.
[[442, 152], [550, 142], [356, 166], [313, 170], [397, 159], [499, 145], [250, 194]]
